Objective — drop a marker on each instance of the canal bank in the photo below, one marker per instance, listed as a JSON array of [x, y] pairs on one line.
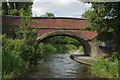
[[81, 58], [101, 66]]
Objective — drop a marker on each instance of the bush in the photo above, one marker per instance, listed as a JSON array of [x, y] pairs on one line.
[[18, 53], [29, 51], [52, 48], [12, 63], [25, 48], [71, 47], [29, 47], [60, 48], [107, 66], [46, 48]]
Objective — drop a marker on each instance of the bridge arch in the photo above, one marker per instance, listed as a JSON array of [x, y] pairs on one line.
[[80, 37]]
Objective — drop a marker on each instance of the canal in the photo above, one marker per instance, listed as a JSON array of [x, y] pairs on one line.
[[58, 66]]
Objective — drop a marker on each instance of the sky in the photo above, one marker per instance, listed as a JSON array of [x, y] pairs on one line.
[[60, 8]]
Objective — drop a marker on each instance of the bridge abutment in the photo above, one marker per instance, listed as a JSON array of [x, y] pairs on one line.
[[95, 49]]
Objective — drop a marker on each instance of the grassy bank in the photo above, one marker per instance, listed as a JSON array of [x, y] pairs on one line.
[[107, 66]]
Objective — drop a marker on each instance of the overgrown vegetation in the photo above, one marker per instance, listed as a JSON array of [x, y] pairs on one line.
[[20, 52], [107, 66], [62, 44], [105, 19], [12, 63]]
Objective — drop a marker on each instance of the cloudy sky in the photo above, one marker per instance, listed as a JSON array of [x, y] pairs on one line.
[[60, 8]]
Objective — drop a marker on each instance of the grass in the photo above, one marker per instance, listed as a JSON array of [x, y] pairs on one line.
[[107, 66], [81, 50], [72, 51], [12, 65]]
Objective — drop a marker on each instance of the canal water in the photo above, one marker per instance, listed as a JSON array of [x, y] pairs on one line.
[[58, 66]]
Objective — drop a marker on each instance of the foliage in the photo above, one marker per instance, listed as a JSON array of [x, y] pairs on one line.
[[12, 63], [61, 48], [113, 56], [19, 52], [107, 66], [69, 47], [81, 49], [55, 48], [62, 44], [29, 51], [48, 15], [63, 40], [15, 8], [104, 18], [46, 48]]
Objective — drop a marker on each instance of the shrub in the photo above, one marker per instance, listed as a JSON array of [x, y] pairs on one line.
[[12, 63], [46, 48], [29, 49], [106, 67], [18, 53], [71, 47], [25, 48], [60, 48]]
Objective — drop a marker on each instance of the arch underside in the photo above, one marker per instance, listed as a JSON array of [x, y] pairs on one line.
[[80, 37]]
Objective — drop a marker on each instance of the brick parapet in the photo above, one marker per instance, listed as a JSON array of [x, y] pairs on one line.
[[55, 22]]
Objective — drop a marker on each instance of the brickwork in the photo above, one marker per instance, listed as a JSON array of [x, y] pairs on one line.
[[48, 27], [56, 22]]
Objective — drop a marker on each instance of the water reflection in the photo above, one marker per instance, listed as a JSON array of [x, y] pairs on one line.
[[58, 66]]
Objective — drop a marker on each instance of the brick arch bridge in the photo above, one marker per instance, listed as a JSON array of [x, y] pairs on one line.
[[58, 26], [79, 37]]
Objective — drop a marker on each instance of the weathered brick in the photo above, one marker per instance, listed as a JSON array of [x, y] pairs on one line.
[[56, 22]]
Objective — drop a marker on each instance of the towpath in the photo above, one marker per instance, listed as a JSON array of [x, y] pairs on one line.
[[81, 58]]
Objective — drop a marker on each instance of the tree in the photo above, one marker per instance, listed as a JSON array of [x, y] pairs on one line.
[[104, 17], [30, 47], [48, 15], [15, 8]]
